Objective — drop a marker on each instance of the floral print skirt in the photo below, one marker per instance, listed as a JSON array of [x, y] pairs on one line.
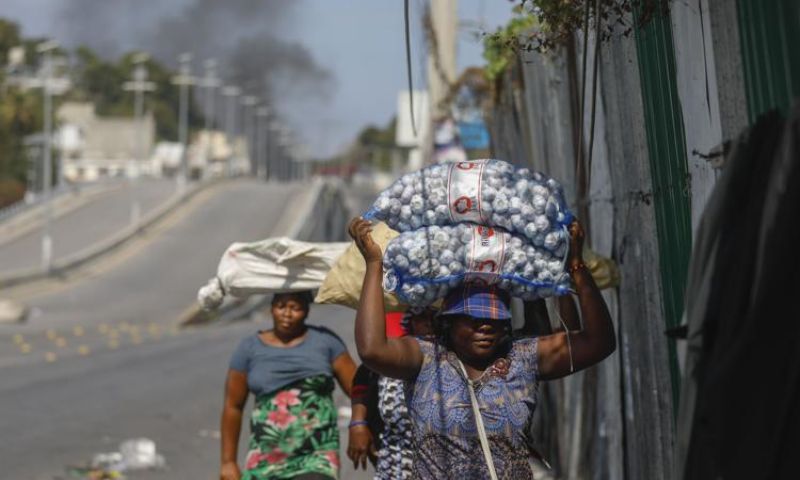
[[293, 432]]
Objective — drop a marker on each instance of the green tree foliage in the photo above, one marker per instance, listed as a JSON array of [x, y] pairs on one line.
[[20, 116], [500, 48], [545, 25], [95, 80], [100, 82], [377, 145], [9, 37]]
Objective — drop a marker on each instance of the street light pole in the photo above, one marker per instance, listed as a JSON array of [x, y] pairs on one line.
[[138, 86], [284, 144], [47, 48], [262, 139], [249, 102], [183, 80], [210, 83], [272, 168], [231, 92]]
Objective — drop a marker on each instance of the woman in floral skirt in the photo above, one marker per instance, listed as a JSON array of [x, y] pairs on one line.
[[290, 370]]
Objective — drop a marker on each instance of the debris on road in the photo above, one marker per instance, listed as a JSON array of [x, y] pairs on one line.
[[133, 454], [12, 311], [214, 434], [140, 453]]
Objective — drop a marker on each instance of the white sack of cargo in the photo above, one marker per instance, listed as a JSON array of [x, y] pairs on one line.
[[422, 266], [269, 266], [484, 192]]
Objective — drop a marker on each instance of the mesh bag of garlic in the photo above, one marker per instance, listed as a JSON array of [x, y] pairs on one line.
[[422, 265], [484, 192]]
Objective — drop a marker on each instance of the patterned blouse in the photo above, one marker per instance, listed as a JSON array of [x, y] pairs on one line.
[[396, 452], [447, 442]]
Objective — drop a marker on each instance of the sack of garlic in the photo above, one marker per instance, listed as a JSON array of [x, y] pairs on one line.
[[484, 192], [422, 266]]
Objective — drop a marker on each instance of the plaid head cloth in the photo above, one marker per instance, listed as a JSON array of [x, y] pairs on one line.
[[477, 301]]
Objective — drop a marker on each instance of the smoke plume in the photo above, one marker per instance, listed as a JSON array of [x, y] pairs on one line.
[[243, 35]]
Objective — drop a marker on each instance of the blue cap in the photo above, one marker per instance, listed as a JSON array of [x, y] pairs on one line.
[[477, 300]]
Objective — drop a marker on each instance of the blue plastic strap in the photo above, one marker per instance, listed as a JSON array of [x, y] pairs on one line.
[[370, 214]]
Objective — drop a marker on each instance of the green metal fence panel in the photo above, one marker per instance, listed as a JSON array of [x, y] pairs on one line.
[[666, 143], [769, 32]]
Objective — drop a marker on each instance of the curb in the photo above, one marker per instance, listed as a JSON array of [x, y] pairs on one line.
[[317, 187], [103, 247]]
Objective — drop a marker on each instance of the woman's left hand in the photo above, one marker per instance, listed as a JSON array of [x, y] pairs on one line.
[[361, 447], [360, 231], [576, 239]]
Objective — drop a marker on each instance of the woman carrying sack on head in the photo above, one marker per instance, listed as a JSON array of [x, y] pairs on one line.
[[474, 366], [290, 370]]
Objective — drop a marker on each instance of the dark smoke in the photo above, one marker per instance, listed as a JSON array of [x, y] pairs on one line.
[[243, 35]]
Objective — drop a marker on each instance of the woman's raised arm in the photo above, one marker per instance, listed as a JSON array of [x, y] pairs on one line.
[[596, 340], [396, 358]]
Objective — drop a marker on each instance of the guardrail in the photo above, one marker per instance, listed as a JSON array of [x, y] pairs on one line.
[[25, 218], [76, 260]]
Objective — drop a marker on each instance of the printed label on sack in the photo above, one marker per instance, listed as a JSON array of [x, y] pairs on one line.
[[485, 258], [464, 191]]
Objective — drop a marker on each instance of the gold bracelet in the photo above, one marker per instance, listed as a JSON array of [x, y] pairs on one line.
[[576, 267]]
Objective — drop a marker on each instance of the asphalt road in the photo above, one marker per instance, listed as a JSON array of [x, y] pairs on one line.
[[157, 277], [74, 231], [100, 359], [167, 389]]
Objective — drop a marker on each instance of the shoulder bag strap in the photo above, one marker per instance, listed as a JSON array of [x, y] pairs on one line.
[[487, 453]]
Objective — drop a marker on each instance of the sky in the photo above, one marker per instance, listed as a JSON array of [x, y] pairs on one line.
[[343, 61]]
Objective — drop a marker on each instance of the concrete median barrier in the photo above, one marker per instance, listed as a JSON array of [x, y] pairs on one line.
[[103, 247]]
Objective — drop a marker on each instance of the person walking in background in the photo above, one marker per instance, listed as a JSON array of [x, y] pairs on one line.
[[290, 370], [474, 388], [380, 429]]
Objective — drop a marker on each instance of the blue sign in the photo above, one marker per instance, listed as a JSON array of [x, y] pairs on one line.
[[474, 135]]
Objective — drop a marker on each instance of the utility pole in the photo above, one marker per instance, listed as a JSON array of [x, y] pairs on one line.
[[184, 80], [262, 141], [249, 102], [138, 86], [231, 92], [210, 82], [443, 24]]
